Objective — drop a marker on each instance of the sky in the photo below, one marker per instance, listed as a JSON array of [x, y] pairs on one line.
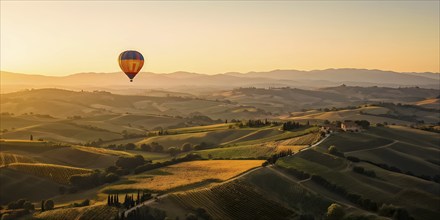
[[67, 37]]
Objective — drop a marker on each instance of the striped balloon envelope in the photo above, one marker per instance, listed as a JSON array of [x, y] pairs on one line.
[[131, 63]]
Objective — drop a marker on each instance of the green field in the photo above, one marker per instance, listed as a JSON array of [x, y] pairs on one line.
[[381, 145], [246, 151]]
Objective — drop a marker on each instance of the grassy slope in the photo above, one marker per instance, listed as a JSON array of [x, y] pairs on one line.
[[63, 132], [16, 185], [56, 173], [290, 195], [212, 137], [77, 156], [405, 148], [390, 187]]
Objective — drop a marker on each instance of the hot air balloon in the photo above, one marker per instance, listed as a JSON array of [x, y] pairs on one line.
[[131, 63]]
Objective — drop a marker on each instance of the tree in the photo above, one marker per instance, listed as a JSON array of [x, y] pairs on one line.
[[13, 205], [156, 147], [186, 147], [335, 212], [363, 123], [31, 138], [333, 150], [145, 147], [49, 205], [20, 203], [130, 162], [42, 206], [173, 151]]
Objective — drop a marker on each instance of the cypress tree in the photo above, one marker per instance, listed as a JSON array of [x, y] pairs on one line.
[[126, 201], [42, 205], [108, 200]]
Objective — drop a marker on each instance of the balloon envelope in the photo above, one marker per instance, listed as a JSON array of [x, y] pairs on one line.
[[131, 63]]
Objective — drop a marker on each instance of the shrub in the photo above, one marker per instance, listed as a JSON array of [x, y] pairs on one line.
[[333, 150], [156, 147], [130, 146], [387, 210], [173, 151], [20, 203], [186, 147], [28, 206], [111, 177], [335, 212], [12, 205], [130, 162], [49, 205], [81, 204], [86, 181], [145, 147]]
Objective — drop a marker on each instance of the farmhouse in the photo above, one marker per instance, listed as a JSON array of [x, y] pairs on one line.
[[350, 126], [330, 128]]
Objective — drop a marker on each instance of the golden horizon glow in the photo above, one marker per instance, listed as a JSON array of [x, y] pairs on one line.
[[62, 38]]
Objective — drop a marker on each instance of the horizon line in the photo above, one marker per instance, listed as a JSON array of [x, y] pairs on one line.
[[183, 71]]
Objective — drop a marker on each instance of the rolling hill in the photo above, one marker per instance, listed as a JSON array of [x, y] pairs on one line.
[[195, 83]]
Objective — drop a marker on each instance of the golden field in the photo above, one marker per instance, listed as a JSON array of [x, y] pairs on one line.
[[186, 173]]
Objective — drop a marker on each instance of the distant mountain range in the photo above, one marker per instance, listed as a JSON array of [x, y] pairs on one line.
[[195, 82]]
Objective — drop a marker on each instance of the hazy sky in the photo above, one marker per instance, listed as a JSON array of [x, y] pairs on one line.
[[65, 37]]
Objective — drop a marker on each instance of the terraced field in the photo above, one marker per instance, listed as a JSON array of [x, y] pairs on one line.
[[98, 212], [232, 200], [7, 158]]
